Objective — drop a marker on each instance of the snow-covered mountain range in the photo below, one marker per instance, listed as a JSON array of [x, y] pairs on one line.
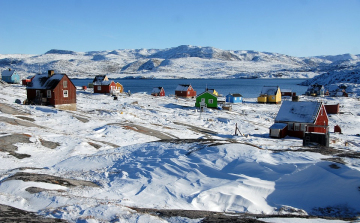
[[179, 62]]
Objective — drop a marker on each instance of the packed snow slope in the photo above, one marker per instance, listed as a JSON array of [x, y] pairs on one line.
[[178, 62], [100, 162]]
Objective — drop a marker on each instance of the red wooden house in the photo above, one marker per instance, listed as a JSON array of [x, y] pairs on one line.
[[52, 89], [300, 117], [104, 87], [158, 91], [286, 92], [185, 90], [332, 109]]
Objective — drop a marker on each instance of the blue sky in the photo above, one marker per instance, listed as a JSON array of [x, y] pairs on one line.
[[292, 27]]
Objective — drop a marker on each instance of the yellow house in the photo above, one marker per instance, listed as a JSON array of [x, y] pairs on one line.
[[212, 91], [119, 87], [270, 94]]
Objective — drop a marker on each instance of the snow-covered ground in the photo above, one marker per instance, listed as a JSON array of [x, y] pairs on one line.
[[161, 152]]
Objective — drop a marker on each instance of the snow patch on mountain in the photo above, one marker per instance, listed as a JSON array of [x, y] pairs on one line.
[[178, 62]]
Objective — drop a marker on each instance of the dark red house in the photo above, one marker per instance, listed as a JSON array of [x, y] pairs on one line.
[[185, 90], [286, 92], [332, 109], [52, 89], [158, 91], [104, 87], [300, 117]]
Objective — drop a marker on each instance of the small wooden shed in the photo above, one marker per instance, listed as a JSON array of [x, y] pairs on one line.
[[185, 90], [10, 76], [278, 130], [158, 91]]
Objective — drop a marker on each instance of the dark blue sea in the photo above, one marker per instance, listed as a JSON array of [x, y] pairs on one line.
[[249, 88]]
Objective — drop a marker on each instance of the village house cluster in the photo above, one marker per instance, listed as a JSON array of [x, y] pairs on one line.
[[307, 120]]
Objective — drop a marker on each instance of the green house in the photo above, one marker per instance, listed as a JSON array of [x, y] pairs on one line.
[[206, 98]]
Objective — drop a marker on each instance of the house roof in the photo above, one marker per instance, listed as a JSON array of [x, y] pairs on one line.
[[278, 126], [156, 90], [43, 81], [236, 95], [206, 92], [182, 87], [269, 90], [7, 73], [286, 90], [99, 78], [103, 82], [302, 111]]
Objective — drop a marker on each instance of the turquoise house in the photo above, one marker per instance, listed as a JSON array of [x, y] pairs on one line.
[[234, 98], [10, 76]]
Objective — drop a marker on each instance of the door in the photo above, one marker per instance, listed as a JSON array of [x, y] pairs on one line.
[[275, 133]]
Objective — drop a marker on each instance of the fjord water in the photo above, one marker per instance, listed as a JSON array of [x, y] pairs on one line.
[[249, 88]]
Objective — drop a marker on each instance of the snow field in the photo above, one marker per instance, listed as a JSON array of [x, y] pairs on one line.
[[215, 172]]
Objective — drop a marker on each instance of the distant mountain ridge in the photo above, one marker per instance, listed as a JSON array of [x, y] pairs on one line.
[[178, 62]]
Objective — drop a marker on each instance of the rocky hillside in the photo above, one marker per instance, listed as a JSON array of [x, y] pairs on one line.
[[179, 62]]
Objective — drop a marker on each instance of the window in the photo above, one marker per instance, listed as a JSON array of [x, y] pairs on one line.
[[203, 100], [188, 92], [65, 84], [290, 126], [66, 93], [48, 93], [296, 126], [37, 93], [99, 87], [302, 127], [211, 101]]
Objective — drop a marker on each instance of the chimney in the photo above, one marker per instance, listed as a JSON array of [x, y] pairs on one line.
[[9, 69], [50, 73]]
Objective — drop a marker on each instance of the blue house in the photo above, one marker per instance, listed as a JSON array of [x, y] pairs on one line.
[[234, 98], [10, 76]]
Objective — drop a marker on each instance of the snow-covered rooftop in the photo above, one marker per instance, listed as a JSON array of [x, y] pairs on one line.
[[102, 82], [278, 126], [182, 87], [7, 73], [269, 90], [302, 111], [156, 90], [236, 95], [43, 81], [100, 78]]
